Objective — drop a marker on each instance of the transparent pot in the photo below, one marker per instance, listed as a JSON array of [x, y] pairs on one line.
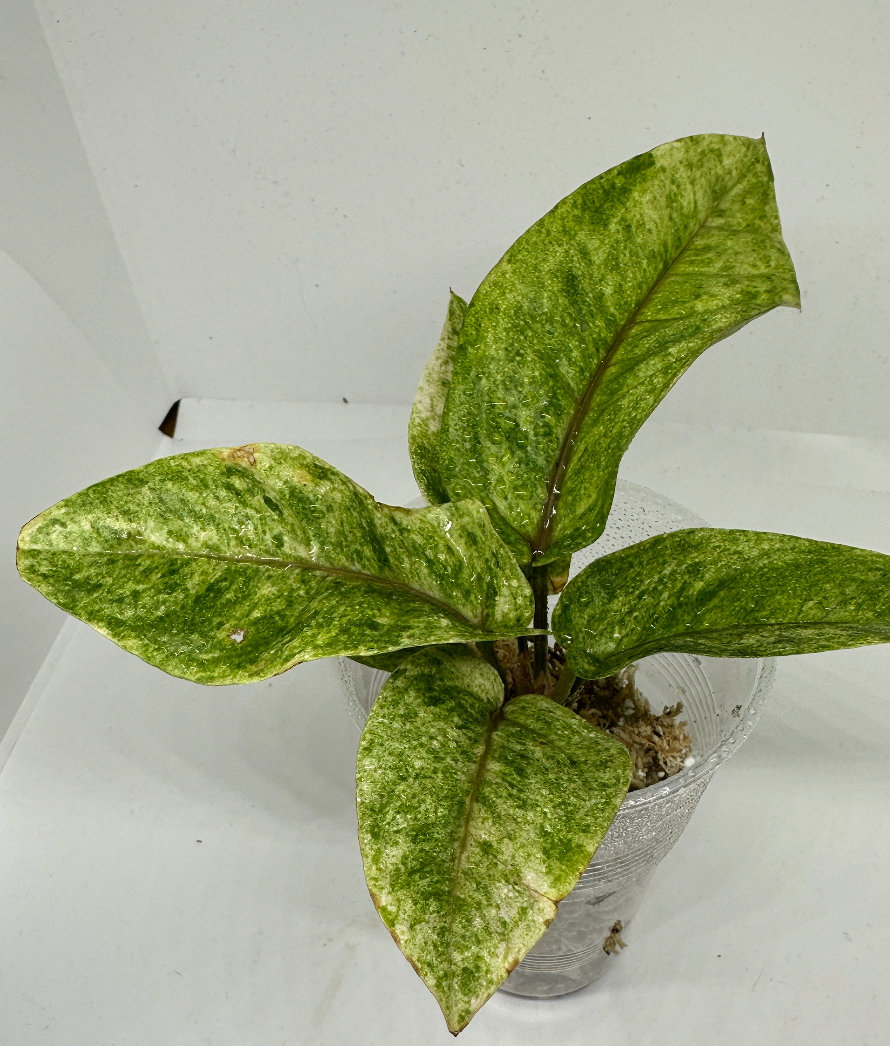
[[722, 698]]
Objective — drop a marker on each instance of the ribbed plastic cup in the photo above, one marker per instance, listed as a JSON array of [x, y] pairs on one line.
[[722, 698]]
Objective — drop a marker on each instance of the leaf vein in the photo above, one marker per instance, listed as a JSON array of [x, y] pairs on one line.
[[644, 649], [543, 537], [346, 573]]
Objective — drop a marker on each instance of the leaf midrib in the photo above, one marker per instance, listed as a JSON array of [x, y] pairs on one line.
[[283, 564], [635, 652], [494, 721], [543, 537]]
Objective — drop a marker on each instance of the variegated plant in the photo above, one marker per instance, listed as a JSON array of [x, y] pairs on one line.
[[479, 808]]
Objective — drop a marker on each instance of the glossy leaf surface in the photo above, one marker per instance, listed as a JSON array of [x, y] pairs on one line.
[[475, 818], [723, 593], [588, 320], [226, 566], [426, 414]]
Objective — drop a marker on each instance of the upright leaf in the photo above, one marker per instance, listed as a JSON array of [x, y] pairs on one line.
[[476, 818], [226, 566], [724, 593], [426, 414], [588, 320]]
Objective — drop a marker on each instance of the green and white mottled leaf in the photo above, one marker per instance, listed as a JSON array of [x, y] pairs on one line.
[[426, 414], [227, 566], [389, 661], [723, 593], [590, 318], [476, 817]]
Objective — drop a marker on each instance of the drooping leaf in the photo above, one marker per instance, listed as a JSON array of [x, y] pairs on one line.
[[426, 414], [723, 593], [226, 566], [588, 320], [475, 818]]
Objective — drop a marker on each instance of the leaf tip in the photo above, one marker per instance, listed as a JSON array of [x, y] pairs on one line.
[[454, 1022]]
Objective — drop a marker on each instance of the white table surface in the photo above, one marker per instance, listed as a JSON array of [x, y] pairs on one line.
[[769, 922]]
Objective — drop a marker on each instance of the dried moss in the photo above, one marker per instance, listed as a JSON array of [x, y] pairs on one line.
[[614, 942]]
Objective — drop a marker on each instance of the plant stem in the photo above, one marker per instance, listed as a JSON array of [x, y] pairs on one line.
[[563, 689], [539, 580], [488, 652]]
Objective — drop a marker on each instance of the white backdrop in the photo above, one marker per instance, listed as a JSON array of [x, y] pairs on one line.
[[295, 185], [81, 389], [269, 200]]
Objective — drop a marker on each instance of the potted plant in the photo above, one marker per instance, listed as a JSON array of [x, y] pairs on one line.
[[482, 792]]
